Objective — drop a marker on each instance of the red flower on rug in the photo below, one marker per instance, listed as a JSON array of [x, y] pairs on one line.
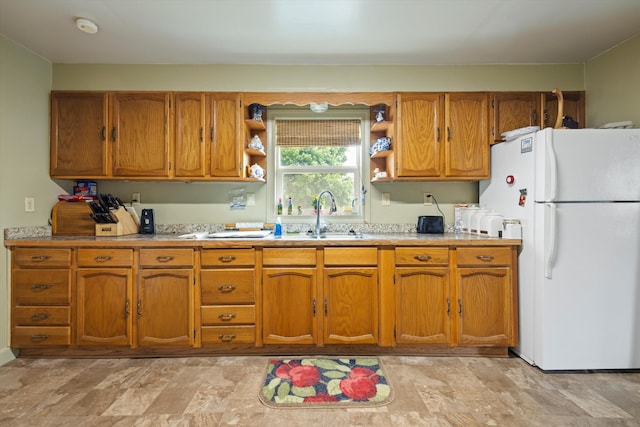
[[325, 381]]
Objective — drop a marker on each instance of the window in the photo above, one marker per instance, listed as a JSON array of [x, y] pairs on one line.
[[314, 154]]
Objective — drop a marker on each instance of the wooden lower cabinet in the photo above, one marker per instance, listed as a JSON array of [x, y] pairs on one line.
[[104, 306], [486, 308]]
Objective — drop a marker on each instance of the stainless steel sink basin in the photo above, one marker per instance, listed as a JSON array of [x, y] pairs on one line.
[[326, 236]]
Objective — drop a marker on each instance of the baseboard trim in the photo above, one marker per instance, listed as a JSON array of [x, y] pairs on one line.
[[6, 356]]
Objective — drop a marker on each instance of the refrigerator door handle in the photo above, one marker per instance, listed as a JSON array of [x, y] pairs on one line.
[[553, 169], [550, 237]]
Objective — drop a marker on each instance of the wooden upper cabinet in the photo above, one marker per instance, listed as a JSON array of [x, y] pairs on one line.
[[418, 148], [80, 147], [225, 138], [140, 134], [513, 110], [467, 135], [573, 106], [190, 127]]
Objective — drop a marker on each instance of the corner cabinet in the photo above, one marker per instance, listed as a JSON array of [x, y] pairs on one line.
[[382, 160], [443, 136]]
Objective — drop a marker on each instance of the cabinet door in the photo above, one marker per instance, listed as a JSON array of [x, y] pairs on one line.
[[140, 134], [104, 306], [224, 135], [290, 307], [79, 144], [190, 148], [350, 306], [418, 147], [484, 306], [165, 307], [467, 135], [513, 110], [423, 306]]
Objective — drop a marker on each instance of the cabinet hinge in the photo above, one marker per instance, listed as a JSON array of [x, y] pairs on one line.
[[492, 104], [169, 104], [194, 280], [194, 333], [394, 279], [169, 165], [394, 332]]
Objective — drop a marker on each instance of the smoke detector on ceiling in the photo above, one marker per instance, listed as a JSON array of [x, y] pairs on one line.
[[86, 25]]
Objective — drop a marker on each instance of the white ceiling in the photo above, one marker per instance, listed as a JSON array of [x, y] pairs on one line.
[[321, 31]]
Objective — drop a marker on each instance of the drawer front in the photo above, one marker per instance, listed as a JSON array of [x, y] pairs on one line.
[[166, 257], [422, 256], [350, 256], [42, 287], [105, 257], [228, 314], [289, 256], [40, 336], [227, 286], [228, 258], [484, 256], [47, 316], [228, 334], [42, 257]]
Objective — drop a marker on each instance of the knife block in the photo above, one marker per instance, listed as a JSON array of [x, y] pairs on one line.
[[125, 225]]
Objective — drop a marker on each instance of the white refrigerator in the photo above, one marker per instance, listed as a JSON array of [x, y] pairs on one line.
[[577, 195]]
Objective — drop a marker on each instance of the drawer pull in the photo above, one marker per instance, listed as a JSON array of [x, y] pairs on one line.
[[39, 337], [126, 308], [226, 316], [226, 258], [225, 289], [40, 257], [485, 257], [102, 258], [424, 258], [41, 287], [227, 338], [165, 258], [39, 317], [139, 308]]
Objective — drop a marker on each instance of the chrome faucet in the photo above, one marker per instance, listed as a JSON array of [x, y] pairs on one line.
[[318, 204]]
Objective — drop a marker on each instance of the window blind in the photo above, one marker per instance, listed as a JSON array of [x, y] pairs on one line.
[[305, 133]]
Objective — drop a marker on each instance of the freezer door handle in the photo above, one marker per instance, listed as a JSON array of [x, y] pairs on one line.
[[550, 238], [553, 170]]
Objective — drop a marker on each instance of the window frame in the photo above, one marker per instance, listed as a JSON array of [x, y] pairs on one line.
[[361, 168]]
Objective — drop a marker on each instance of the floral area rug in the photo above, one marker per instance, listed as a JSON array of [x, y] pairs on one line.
[[324, 382]]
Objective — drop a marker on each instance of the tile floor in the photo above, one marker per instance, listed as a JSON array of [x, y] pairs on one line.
[[222, 391]]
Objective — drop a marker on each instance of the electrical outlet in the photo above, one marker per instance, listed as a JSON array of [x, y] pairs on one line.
[[29, 204], [386, 199], [251, 199], [428, 199], [135, 198]]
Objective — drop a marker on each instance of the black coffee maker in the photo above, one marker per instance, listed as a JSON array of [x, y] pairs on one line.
[[147, 225]]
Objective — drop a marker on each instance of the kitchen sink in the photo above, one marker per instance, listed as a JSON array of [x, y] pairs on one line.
[[325, 236]]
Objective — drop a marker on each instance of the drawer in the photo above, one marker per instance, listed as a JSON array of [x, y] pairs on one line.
[[40, 336], [228, 334], [41, 257], [289, 256], [166, 257], [42, 287], [227, 286], [105, 257], [484, 256], [228, 314], [48, 316], [350, 256], [422, 256], [228, 258]]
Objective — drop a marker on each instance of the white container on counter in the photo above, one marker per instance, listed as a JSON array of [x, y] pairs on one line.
[[474, 222], [467, 213], [512, 229], [491, 224]]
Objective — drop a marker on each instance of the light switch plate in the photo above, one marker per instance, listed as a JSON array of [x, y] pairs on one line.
[[251, 199], [386, 199]]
